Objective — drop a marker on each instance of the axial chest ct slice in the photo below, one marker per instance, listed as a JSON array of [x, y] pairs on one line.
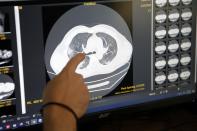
[[111, 51], [103, 35]]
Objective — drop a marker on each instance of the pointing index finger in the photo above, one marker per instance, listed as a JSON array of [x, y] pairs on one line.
[[75, 61]]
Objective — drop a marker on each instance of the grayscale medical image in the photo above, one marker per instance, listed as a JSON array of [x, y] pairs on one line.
[[99, 32], [5, 56], [7, 86], [2, 18]]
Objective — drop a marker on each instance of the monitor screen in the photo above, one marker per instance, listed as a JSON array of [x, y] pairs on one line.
[[137, 52]]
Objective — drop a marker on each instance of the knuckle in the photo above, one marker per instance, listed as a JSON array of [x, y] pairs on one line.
[[80, 78]]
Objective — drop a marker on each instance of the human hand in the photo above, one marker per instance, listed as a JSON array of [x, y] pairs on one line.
[[68, 88]]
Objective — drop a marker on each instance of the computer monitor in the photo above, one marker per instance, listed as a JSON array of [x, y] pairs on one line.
[[139, 52]]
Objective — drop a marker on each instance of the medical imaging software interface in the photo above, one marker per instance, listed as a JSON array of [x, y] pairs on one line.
[[136, 52]]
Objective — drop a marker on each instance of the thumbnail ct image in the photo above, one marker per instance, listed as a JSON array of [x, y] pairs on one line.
[[7, 86], [2, 18]]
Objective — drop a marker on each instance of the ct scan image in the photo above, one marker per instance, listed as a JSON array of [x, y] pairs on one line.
[[7, 86], [5, 54], [103, 35]]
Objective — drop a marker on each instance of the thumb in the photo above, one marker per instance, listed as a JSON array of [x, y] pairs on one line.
[[74, 62]]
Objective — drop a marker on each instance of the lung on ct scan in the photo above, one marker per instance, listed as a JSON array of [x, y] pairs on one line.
[[106, 42]]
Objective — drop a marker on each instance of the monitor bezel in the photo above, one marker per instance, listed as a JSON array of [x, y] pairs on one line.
[[191, 98]]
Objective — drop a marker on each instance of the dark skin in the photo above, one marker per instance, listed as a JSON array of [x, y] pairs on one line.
[[67, 88]]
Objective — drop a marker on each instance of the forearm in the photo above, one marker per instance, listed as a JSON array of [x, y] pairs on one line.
[[58, 119]]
